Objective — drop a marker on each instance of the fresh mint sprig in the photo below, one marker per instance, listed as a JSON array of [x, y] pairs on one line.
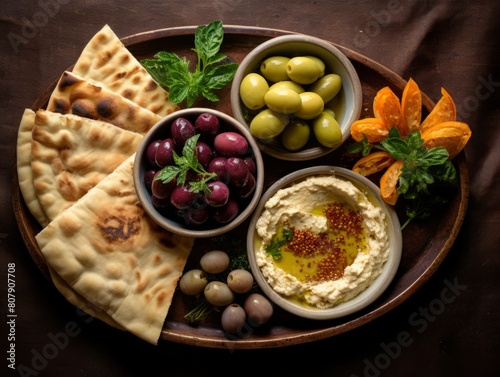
[[185, 163], [211, 73]]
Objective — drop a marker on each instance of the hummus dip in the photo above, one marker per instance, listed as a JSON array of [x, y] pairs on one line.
[[322, 241]]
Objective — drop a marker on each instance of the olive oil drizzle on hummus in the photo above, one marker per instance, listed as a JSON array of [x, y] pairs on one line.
[[323, 256]]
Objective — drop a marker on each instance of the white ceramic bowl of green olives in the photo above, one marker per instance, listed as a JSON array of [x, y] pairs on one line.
[[298, 95]]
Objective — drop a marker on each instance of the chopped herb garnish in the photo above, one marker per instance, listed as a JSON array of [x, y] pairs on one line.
[[274, 247]]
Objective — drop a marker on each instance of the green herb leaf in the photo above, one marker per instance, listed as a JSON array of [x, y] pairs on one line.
[[274, 246], [396, 147], [420, 207], [207, 42], [364, 147], [202, 308], [422, 170], [211, 73], [183, 164]]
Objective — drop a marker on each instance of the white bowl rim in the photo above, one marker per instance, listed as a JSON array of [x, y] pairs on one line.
[[189, 232], [370, 294], [314, 152]]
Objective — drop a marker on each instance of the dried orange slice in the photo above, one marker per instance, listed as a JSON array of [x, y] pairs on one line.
[[373, 128], [411, 107], [386, 107], [373, 163], [450, 135], [444, 111], [389, 182]]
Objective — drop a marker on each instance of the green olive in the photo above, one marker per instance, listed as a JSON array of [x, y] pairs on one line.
[[289, 85], [283, 100], [295, 135], [312, 105], [320, 64], [327, 130], [327, 87], [329, 111], [274, 68], [303, 70], [268, 124], [253, 87]]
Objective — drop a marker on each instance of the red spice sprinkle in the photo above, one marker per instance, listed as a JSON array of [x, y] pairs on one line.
[[332, 267], [344, 219], [306, 244]]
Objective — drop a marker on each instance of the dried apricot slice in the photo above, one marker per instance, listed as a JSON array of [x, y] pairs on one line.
[[373, 163], [373, 128], [450, 135], [411, 106], [389, 182], [444, 111], [386, 107]]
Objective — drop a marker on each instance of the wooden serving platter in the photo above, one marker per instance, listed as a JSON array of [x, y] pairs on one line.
[[425, 243]]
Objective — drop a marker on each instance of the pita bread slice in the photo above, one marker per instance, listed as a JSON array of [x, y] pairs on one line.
[[71, 154], [110, 252], [105, 61], [79, 301], [24, 172], [74, 95]]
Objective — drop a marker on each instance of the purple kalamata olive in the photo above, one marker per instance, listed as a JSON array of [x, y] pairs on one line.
[[230, 144]]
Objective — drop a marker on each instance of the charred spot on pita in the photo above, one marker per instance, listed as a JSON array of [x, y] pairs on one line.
[[119, 228], [105, 107], [67, 81], [82, 109]]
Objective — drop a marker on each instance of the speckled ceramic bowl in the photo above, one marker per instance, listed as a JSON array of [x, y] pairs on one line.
[[346, 104], [166, 217], [374, 290]]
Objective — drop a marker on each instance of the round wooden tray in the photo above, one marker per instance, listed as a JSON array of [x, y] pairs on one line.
[[425, 243]]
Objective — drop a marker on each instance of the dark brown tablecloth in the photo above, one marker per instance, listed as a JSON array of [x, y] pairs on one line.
[[454, 44]]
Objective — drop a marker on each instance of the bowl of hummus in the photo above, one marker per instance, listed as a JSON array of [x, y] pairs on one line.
[[323, 244]]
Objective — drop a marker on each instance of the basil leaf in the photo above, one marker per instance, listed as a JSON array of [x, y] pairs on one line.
[[414, 140], [445, 174], [218, 76], [436, 156], [394, 133], [173, 73], [218, 58], [207, 41], [157, 71], [396, 147]]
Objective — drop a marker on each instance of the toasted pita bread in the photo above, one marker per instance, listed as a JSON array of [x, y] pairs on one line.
[[79, 301], [106, 62], [24, 172], [71, 154], [74, 95], [109, 251]]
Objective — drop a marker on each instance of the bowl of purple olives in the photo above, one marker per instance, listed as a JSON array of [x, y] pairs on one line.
[[198, 172], [298, 95]]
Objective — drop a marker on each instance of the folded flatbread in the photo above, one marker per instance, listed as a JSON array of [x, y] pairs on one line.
[[111, 253], [71, 154], [24, 172], [74, 95], [79, 301], [108, 63]]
